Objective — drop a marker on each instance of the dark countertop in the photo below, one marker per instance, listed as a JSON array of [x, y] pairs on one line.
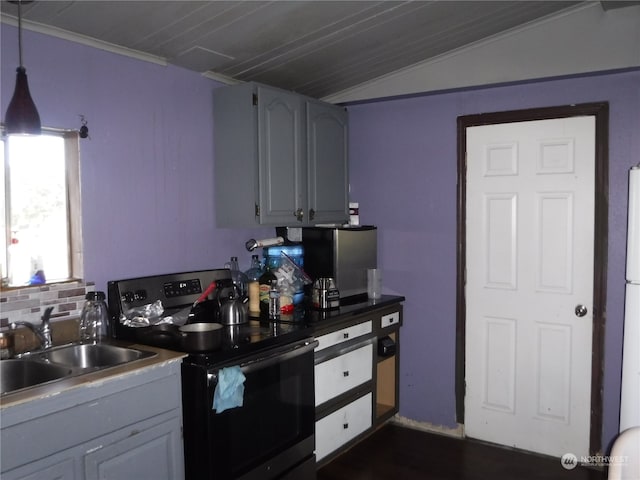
[[321, 319], [303, 323], [259, 333], [351, 309]]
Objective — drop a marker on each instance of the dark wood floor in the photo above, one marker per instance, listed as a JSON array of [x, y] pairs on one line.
[[399, 453]]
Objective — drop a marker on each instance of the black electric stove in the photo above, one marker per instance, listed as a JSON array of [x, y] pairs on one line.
[[175, 293], [270, 434], [251, 337]]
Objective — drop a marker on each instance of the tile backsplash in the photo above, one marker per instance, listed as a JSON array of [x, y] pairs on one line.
[[29, 303]]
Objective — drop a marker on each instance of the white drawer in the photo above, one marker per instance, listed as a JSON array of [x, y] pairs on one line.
[[339, 336], [343, 373], [343, 425], [390, 319]]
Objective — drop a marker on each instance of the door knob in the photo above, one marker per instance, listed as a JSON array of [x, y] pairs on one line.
[[581, 310]]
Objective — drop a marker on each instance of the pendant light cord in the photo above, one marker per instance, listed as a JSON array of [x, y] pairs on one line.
[[20, 32]]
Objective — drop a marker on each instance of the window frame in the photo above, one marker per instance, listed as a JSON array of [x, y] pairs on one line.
[[75, 249]]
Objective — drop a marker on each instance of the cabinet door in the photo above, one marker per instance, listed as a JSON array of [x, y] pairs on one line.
[[344, 335], [328, 181], [45, 469], [343, 425], [341, 374], [282, 166], [153, 453]]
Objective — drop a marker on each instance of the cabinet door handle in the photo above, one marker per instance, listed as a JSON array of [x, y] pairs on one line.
[[345, 335], [345, 373], [299, 214], [312, 214], [345, 425]]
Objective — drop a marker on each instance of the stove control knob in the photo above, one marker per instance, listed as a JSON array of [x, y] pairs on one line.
[[127, 297], [140, 295]]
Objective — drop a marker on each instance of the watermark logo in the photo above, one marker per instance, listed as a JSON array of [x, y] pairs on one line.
[[569, 461]]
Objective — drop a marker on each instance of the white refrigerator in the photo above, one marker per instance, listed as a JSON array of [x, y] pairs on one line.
[[630, 395]]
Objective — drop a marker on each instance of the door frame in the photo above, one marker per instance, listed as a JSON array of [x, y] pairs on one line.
[[600, 111]]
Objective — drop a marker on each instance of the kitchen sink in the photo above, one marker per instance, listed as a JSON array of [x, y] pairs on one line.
[[37, 368], [92, 356], [20, 373]]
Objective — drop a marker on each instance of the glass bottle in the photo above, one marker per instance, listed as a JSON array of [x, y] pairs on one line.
[[274, 301], [94, 319], [253, 277], [239, 279], [255, 270], [264, 287]]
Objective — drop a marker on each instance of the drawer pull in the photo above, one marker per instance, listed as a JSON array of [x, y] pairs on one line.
[[345, 425], [345, 335], [345, 373]]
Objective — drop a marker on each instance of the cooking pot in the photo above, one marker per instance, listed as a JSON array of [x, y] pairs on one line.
[[233, 309], [193, 337], [200, 337], [163, 335]]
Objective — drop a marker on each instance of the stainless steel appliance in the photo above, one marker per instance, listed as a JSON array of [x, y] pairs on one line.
[[272, 435], [343, 253], [325, 295]]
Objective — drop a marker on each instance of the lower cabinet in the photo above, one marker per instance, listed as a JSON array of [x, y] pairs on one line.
[[129, 427], [356, 378], [149, 454], [343, 425]]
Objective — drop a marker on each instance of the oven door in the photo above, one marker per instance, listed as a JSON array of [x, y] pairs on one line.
[[269, 435]]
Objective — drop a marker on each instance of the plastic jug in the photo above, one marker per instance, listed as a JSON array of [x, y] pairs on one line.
[[94, 319]]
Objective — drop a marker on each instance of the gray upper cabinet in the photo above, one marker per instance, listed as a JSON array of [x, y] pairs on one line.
[[328, 176], [280, 158]]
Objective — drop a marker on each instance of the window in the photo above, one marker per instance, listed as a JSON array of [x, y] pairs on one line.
[[40, 208]]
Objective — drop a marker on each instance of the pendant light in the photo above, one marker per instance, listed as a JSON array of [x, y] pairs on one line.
[[22, 116]]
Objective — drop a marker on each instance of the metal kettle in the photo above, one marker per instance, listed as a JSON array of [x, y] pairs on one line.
[[233, 309]]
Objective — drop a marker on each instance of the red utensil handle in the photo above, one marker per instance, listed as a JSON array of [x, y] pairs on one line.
[[206, 293]]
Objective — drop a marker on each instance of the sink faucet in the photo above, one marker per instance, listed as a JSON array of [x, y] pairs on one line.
[[43, 333]]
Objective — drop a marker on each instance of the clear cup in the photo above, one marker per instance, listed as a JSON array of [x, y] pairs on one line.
[[374, 283]]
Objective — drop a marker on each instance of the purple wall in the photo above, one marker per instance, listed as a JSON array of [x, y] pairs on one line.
[[147, 169], [403, 174], [147, 187]]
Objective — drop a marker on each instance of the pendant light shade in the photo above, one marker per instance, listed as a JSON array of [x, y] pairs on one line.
[[22, 115]]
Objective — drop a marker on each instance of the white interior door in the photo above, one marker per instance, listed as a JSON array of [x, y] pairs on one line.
[[529, 267]]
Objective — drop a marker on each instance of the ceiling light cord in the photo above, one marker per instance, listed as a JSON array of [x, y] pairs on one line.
[[20, 33]]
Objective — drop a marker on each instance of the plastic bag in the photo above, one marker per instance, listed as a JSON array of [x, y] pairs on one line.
[[145, 315], [291, 282]]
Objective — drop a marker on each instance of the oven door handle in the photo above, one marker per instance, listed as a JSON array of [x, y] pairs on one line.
[[264, 362], [268, 361]]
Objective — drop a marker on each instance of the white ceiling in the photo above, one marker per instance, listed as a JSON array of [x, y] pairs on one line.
[[317, 48]]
